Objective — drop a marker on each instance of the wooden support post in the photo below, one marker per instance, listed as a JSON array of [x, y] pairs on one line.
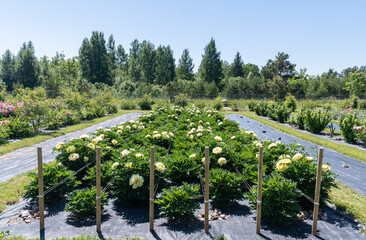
[[152, 172], [259, 193], [317, 192], [207, 181], [40, 189], [98, 202]]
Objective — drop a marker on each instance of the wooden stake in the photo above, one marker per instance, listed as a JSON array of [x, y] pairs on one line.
[[317, 192], [259, 193], [207, 166], [152, 172], [40, 189], [98, 202]]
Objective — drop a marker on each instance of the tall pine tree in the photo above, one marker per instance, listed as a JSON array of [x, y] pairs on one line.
[[134, 68], [210, 69], [185, 66], [165, 65], [147, 62], [27, 68], [8, 70], [236, 68], [94, 59]]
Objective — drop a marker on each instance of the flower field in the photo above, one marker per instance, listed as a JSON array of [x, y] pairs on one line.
[[180, 136]]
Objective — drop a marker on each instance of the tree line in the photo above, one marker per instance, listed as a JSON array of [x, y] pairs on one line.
[[145, 68]]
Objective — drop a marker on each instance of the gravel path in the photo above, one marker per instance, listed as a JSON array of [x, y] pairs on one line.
[[354, 176], [25, 159]]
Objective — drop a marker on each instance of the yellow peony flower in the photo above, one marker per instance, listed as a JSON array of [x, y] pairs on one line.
[[199, 134], [282, 165], [217, 138], [297, 156], [138, 155], [160, 167], [101, 136], [115, 164], [203, 160], [128, 127], [125, 152], [251, 132], [119, 131], [309, 158], [272, 145], [128, 165], [85, 136], [258, 144], [326, 167], [192, 156], [283, 156], [191, 136], [100, 128], [71, 149], [136, 181], [217, 150], [233, 137], [59, 145], [148, 136], [157, 136], [73, 156], [114, 141], [86, 159], [91, 146], [108, 148], [219, 124], [222, 161]]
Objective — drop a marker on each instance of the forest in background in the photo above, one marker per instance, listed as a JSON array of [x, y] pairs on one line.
[[148, 69]]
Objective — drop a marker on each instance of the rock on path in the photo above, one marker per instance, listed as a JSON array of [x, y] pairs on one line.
[[25, 159]]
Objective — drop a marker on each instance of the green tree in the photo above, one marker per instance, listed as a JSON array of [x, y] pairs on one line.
[[251, 68], [185, 66], [112, 53], [278, 88], [210, 69], [47, 78], [236, 68], [280, 67], [134, 68], [357, 83], [147, 62], [27, 68], [95, 60], [299, 82], [8, 70], [165, 65], [122, 59]]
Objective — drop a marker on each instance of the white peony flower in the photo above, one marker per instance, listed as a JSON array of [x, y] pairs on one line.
[[125, 152], [71, 149], [192, 156], [160, 167], [136, 181], [217, 150], [217, 138], [222, 161], [73, 156]]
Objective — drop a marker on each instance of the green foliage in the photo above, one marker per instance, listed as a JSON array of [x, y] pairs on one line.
[[128, 104], [235, 104], [185, 66], [210, 69], [4, 132], [181, 99], [19, 127], [261, 109], [217, 104], [179, 203], [146, 102], [225, 187], [355, 101], [300, 119], [279, 200], [357, 83], [303, 171], [27, 68], [290, 102], [278, 112], [53, 173], [251, 105], [82, 203], [165, 65], [346, 123], [236, 68], [316, 121], [362, 104]]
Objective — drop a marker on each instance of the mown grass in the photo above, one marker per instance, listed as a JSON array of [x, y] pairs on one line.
[[27, 142], [347, 199], [341, 148], [12, 190]]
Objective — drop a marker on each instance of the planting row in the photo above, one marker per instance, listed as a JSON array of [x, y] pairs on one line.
[[352, 128], [180, 136]]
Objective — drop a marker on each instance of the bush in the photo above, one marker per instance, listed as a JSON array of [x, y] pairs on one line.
[[362, 104], [279, 200], [361, 134], [179, 203], [355, 101], [300, 119], [20, 128], [146, 102], [128, 105], [82, 203], [346, 123], [201, 104], [317, 121], [217, 105], [181, 99], [303, 171], [261, 109], [279, 113], [251, 105], [234, 105], [225, 187], [290, 102], [52, 174], [4, 132]]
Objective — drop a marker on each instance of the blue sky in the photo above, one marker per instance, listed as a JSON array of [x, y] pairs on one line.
[[317, 35]]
